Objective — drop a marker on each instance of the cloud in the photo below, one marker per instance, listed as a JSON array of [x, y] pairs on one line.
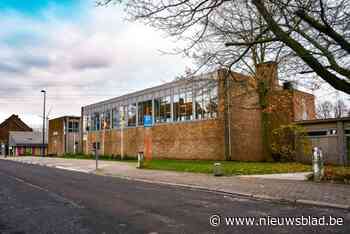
[[33, 61], [79, 60], [90, 62], [8, 68]]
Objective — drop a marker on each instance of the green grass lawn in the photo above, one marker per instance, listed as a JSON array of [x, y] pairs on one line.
[[229, 167]]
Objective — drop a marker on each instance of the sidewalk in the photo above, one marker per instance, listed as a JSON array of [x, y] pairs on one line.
[[305, 192]]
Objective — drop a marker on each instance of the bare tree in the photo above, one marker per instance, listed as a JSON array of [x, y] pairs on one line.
[[325, 110], [340, 109], [314, 33]]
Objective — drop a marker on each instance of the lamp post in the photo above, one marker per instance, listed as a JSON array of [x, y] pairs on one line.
[[44, 119]]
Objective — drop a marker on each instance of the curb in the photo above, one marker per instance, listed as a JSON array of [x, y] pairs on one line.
[[323, 204], [236, 193], [206, 189]]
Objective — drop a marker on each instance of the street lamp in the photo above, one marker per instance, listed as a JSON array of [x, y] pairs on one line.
[[44, 118]]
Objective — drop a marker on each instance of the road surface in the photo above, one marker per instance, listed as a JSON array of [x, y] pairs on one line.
[[37, 199]]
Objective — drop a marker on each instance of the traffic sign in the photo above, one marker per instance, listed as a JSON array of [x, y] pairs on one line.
[[147, 121]]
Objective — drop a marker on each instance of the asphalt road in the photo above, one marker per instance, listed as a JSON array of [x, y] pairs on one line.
[[36, 199]]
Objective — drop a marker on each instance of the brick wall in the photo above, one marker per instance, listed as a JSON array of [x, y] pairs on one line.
[[192, 140], [304, 106], [245, 119], [56, 137]]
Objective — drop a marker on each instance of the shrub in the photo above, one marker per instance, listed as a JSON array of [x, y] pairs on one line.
[[337, 174], [287, 141]]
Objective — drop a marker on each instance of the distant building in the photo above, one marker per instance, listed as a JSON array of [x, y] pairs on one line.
[[186, 119], [26, 143], [13, 123], [64, 135]]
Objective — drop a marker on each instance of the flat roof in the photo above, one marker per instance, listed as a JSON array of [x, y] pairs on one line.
[[319, 121], [67, 116]]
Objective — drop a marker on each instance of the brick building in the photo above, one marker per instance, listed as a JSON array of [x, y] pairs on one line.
[[64, 135], [214, 116], [13, 123]]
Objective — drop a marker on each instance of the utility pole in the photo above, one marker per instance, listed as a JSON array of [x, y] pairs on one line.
[[44, 121], [122, 123]]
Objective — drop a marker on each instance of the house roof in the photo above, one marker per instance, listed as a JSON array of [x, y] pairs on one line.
[[16, 120], [25, 138]]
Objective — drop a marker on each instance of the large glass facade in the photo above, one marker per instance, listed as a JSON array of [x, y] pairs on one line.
[[197, 101], [162, 109]]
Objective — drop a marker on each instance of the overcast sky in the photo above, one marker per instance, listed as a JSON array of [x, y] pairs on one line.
[[79, 54]]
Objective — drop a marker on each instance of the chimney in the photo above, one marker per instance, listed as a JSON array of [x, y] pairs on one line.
[[268, 71]]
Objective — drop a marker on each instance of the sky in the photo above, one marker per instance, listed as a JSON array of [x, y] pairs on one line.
[[78, 53]]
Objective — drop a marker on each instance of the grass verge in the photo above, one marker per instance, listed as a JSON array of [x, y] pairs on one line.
[[229, 167]]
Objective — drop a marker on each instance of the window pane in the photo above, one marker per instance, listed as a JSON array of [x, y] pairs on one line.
[[214, 101], [199, 104], [176, 107], [106, 120], [162, 110], [207, 100], [116, 118], [132, 114], [123, 110], [96, 121], [183, 105], [145, 108]]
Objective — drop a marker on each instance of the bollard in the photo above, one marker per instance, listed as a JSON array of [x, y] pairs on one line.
[[218, 169], [140, 160], [317, 164], [321, 162]]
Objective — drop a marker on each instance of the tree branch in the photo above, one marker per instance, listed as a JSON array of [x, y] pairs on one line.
[[304, 54], [262, 41], [324, 29]]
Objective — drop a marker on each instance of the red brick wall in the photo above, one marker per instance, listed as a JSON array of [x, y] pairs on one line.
[[245, 119], [191, 140], [304, 106]]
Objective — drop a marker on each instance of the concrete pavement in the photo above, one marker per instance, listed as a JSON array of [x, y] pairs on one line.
[[300, 176], [304, 192]]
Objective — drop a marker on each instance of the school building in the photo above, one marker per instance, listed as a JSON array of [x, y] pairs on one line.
[[216, 116]]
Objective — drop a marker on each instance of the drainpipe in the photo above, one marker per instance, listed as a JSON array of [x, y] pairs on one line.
[[227, 128]]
